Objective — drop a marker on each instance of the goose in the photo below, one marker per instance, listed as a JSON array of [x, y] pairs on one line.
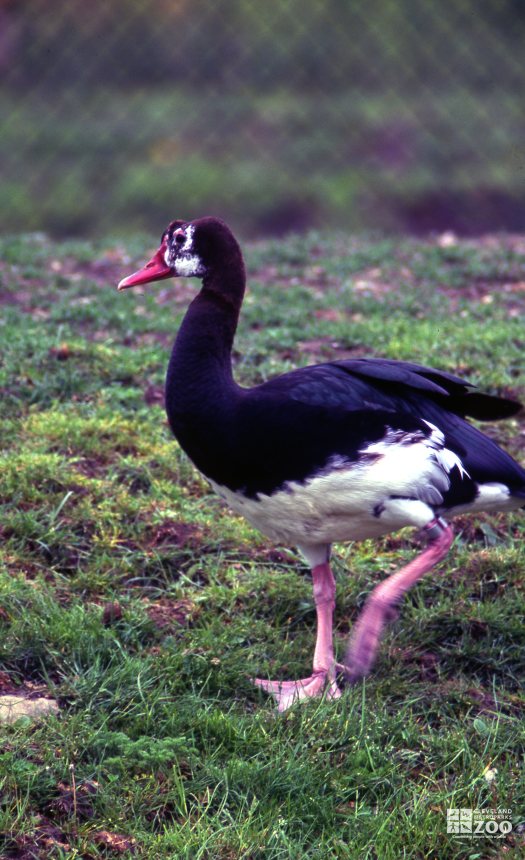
[[339, 451]]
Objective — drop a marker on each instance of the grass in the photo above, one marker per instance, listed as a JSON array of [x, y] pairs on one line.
[[79, 161], [133, 597]]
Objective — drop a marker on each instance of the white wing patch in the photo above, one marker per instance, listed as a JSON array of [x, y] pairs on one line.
[[412, 464], [397, 481], [447, 458]]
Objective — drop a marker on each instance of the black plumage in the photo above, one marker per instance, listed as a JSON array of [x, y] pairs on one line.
[[288, 428], [335, 451]]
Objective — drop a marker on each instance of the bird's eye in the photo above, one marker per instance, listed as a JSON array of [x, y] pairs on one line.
[[180, 238]]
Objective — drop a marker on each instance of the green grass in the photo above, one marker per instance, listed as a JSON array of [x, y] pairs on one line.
[[132, 596], [267, 162]]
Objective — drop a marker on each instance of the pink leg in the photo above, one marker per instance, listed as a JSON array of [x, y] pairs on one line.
[[380, 606], [323, 675]]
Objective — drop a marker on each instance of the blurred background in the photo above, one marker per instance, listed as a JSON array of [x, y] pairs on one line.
[[397, 115]]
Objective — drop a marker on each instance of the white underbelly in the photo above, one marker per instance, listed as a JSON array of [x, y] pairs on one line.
[[399, 481], [325, 510], [332, 508]]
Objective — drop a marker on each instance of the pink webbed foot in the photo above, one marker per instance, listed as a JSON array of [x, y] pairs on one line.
[[322, 680], [287, 693]]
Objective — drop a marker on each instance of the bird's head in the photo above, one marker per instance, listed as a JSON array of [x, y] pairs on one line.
[[188, 249]]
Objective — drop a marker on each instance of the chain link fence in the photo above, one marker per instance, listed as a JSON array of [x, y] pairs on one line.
[[401, 115]]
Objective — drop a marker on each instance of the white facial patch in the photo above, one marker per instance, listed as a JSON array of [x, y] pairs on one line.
[[180, 257], [189, 267], [188, 244]]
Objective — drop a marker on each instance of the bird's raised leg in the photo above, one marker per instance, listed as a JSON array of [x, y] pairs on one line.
[[381, 605], [323, 675]]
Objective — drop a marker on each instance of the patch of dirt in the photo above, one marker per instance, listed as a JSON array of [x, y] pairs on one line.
[[395, 542], [27, 689], [43, 842], [330, 314], [180, 292], [312, 276], [154, 395], [9, 298], [179, 534], [18, 566], [471, 530], [487, 704], [75, 799], [274, 556], [482, 699], [149, 338], [112, 613], [169, 615], [370, 282], [47, 839], [90, 467], [477, 629], [24, 299], [106, 271], [117, 843], [427, 663], [6, 684]]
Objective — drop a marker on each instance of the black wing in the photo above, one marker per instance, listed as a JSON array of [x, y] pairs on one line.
[[380, 383], [365, 395]]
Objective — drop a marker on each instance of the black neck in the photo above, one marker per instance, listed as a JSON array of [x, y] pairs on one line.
[[200, 379]]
